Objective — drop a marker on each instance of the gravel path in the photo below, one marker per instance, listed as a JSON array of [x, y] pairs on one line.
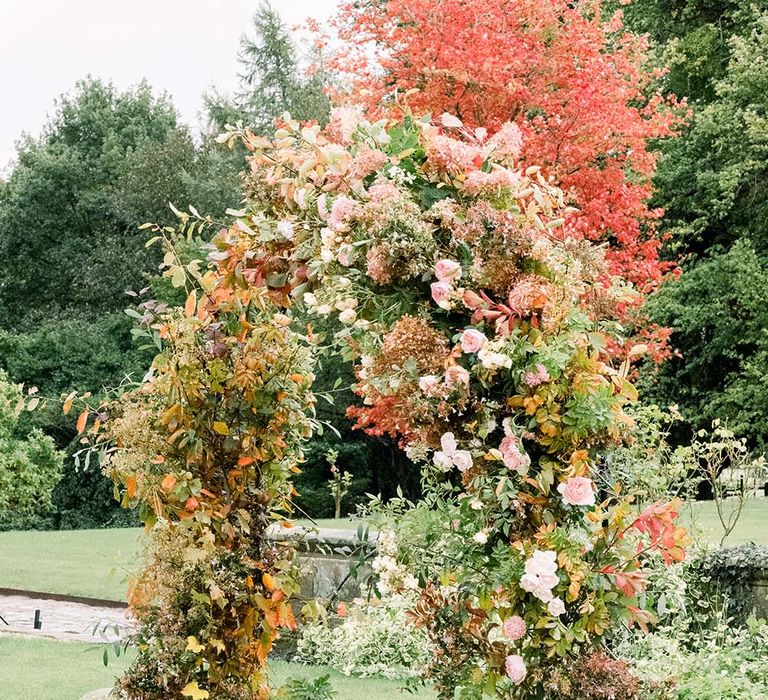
[[61, 619]]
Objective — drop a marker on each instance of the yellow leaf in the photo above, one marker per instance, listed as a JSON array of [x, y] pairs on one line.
[[221, 428], [194, 691], [194, 646]]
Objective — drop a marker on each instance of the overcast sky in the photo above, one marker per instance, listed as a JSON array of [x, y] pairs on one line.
[[181, 46]]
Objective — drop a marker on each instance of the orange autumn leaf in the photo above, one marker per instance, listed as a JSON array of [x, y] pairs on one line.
[[190, 304], [168, 482], [82, 421]]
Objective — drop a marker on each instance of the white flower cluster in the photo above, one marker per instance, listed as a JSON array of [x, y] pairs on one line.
[[392, 576], [373, 639], [450, 456], [490, 356]]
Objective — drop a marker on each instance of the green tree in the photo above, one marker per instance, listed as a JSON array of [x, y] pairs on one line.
[[274, 78], [30, 465], [711, 182], [71, 247]]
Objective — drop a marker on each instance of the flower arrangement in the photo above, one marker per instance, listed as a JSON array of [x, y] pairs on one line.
[[205, 447], [483, 336]]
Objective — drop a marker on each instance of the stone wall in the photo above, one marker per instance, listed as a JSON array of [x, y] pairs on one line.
[[334, 562]]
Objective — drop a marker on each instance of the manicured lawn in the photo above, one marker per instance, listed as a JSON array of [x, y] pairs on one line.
[[751, 527], [96, 563], [91, 563], [41, 669], [36, 669]]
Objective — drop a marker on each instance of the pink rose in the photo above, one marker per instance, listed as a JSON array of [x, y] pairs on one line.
[[514, 458], [448, 443], [456, 374], [447, 270], [514, 628], [541, 563], [577, 491], [472, 340], [515, 667], [441, 294]]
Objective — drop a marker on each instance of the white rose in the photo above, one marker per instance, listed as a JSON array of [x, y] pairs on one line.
[[463, 460], [556, 607], [348, 316], [443, 461], [481, 537]]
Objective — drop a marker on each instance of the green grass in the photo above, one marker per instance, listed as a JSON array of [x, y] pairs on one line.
[[752, 526], [96, 563], [37, 669], [43, 669], [91, 563]]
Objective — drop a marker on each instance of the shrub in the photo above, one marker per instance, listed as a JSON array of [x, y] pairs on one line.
[[374, 638], [30, 465], [722, 663], [730, 573]]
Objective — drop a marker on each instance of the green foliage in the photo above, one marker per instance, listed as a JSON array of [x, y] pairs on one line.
[[711, 181], [718, 315], [730, 574], [106, 162], [30, 465], [722, 664], [355, 457], [273, 79], [711, 184], [84, 254], [690, 37], [302, 689]]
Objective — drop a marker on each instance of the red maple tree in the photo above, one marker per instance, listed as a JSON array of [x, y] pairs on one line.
[[574, 81]]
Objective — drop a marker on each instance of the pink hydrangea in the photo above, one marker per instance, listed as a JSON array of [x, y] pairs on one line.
[[478, 181], [342, 211], [577, 491], [507, 142], [452, 156], [343, 121], [472, 340], [384, 192], [533, 379], [514, 628], [368, 160], [515, 668]]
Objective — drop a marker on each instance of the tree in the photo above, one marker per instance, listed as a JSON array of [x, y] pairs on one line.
[[712, 184], [70, 243], [30, 465], [574, 81], [274, 79]]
